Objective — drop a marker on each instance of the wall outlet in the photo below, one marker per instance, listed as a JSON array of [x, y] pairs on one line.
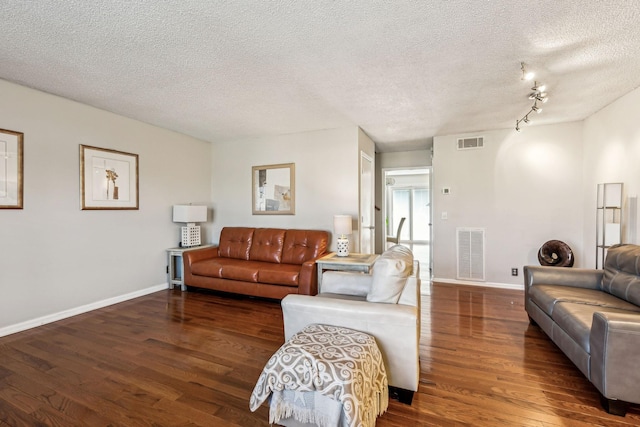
[[514, 271]]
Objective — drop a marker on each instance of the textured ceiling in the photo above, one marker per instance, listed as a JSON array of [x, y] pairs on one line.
[[403, 71]]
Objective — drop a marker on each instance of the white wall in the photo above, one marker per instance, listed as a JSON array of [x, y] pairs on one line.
[[326, 164], [524, 188], [612, 154], [405, 159], [56, 259]]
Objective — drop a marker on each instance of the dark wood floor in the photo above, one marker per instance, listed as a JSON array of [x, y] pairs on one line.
[[192, 359]]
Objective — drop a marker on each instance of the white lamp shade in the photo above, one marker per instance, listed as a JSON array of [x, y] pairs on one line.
[[189, 213], [342, 224]]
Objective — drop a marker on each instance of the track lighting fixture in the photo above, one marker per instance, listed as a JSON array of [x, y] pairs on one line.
[[538, 94]]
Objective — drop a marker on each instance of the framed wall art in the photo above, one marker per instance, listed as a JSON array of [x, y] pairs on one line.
[[11, 169], [274, 189], [108, 179]]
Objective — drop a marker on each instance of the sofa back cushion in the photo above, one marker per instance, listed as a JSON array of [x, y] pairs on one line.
[[267, 244], [304, 245], [390, 273], [622, 272], [235, 242]]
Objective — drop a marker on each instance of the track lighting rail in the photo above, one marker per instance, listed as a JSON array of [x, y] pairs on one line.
[[538, 94]]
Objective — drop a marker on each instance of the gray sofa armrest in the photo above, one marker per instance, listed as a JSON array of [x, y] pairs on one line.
[[395, 328], [615, 343], [562, 276]]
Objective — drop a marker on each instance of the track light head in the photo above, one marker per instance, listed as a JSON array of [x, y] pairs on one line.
[[526, 75], [539, 87], [517, 125], [526, 119], [536, 108]]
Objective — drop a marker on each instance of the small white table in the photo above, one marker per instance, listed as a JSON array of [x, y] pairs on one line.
[[352, 262], [175, 269]]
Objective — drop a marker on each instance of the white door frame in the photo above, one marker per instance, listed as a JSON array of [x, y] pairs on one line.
[[367, 205]]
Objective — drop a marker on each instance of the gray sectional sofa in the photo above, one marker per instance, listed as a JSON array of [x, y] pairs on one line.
[[593, 316]]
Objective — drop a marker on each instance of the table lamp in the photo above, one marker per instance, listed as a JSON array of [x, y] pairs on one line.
[[342, 227], [190, 214]]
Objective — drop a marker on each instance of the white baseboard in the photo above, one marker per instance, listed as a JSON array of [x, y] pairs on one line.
[[484, 284], [23, 326]]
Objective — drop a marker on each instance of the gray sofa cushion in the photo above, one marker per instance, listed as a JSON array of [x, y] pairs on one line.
[[547, 296], [576, 319], [622, 271]]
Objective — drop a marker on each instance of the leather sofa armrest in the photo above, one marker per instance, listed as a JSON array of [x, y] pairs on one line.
[[562, 276], [199, 254], [195, 255], [615, 341], [308, 280]]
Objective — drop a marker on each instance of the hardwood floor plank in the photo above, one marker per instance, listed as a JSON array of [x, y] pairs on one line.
[[182, 359]]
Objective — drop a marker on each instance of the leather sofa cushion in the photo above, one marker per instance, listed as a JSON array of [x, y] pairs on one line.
[[235, 242], [226, 268], [548, 296], [267, 244], [248, 271], [390, 273], [211, 267], [303, 245], [622, 271], [576, 319], [279, 274]]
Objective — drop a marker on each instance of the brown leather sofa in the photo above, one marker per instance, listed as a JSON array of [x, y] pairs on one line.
[[263, 262]]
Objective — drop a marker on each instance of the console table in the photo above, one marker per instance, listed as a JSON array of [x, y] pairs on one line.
[[351, 262]]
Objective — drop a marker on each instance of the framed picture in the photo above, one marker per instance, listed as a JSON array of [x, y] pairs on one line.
[[274, 189], [11, 169], [108, 179]]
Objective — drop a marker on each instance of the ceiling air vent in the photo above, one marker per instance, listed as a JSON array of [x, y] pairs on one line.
[[470, 143]]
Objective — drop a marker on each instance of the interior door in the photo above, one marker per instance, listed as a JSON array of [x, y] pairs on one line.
[[367, 187]]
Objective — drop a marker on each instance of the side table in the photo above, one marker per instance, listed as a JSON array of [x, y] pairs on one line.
[[175, 269], [352, 262]]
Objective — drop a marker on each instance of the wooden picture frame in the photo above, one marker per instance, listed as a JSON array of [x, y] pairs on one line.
[[108, 179], [11, 169], [274, 189]]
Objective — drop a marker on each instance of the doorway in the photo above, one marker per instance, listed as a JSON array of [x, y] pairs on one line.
[[408, 195]]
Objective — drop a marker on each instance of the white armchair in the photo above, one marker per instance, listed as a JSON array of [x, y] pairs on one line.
[[347, 299]]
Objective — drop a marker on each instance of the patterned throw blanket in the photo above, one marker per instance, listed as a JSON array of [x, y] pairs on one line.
[[341, 364]]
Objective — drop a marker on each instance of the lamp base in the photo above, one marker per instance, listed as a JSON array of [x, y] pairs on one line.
[[343, 246], [191, 236]]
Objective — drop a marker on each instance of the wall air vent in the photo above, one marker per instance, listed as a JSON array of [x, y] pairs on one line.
[[470, 143], [470, 253]]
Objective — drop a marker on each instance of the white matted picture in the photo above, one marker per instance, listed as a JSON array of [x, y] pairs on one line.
[[11, 174], [274, 189], [108, 179]]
